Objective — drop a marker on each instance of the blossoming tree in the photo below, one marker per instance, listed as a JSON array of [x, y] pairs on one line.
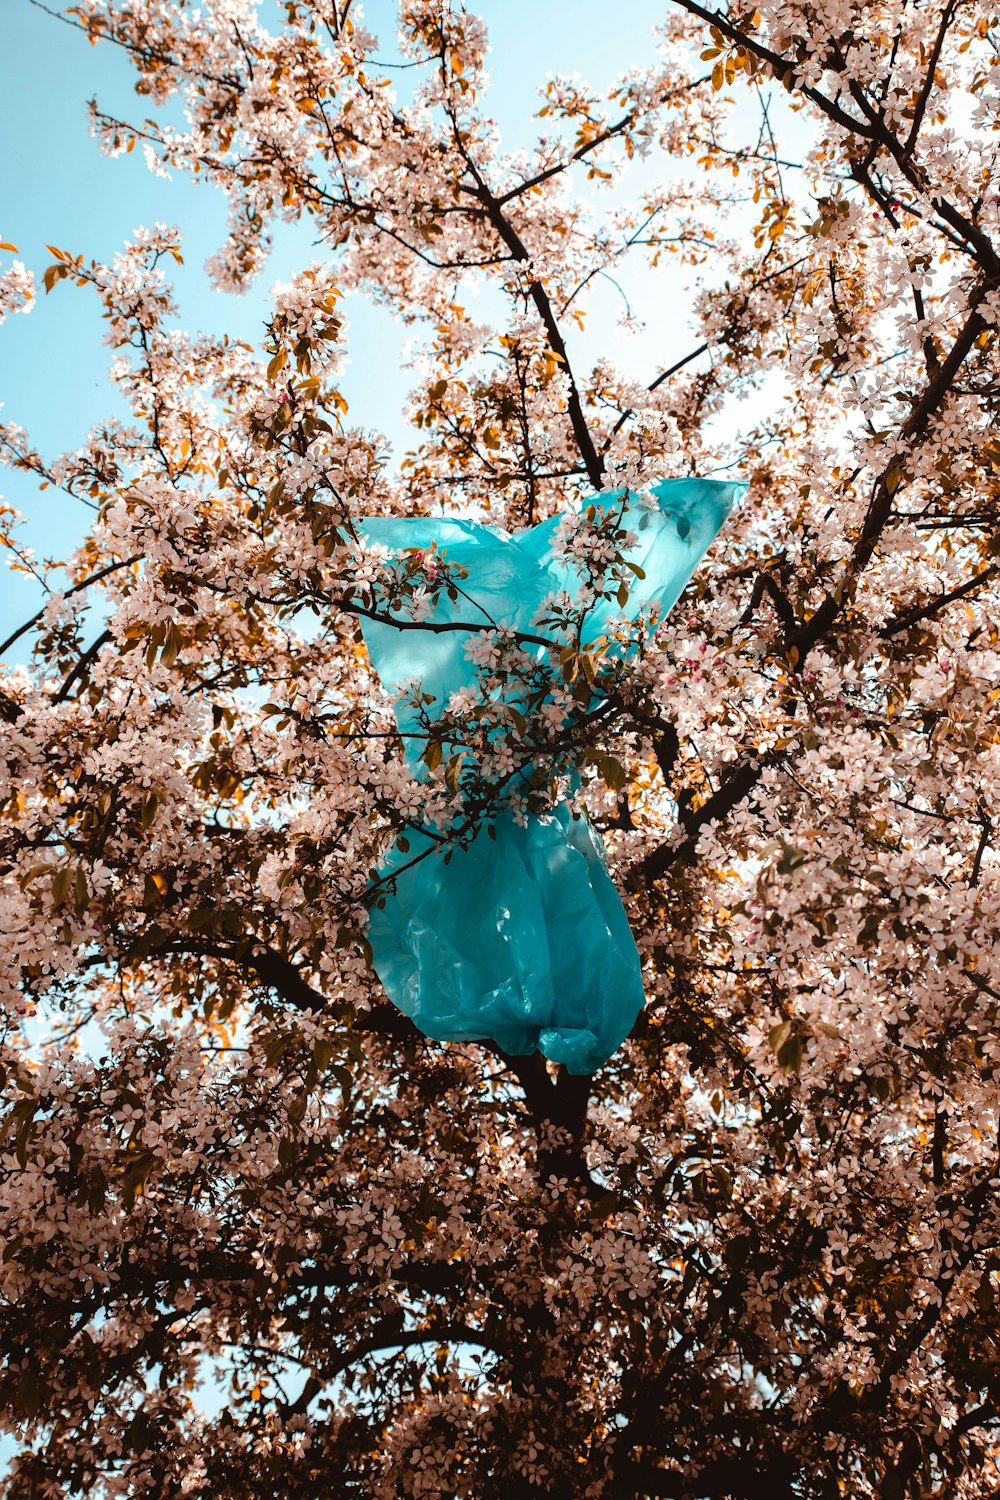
[[260, 1237]]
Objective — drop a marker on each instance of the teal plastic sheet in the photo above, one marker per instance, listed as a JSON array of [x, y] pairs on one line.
[[521, 937]]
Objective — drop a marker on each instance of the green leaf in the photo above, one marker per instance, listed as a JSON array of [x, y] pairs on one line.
[[28, 1396], [277, 1047], [790, 1054], [605, 1204], [25, 1127], [154, 889], [613, 772], [723, 1181], [148, 810], [61, 883], [146, 943], [96, 1193], [324, 1051], [791, 858], [136, 1177], [869, 931], [737, 1252], [203, 918], [453, 772]]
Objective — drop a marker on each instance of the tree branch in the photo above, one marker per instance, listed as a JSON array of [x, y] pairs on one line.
[[935, 606]]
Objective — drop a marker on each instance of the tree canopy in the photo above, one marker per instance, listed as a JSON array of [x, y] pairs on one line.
[[260, 1236]]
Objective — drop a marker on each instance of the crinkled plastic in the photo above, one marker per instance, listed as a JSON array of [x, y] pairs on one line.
[[521, 937]]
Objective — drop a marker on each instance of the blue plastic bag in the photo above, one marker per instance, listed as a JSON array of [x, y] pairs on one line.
[[521, 937]]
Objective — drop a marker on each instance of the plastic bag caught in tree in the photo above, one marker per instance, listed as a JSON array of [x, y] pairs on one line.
[[521, 937]]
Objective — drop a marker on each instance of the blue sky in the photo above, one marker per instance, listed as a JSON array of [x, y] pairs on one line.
[[59, 189]]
